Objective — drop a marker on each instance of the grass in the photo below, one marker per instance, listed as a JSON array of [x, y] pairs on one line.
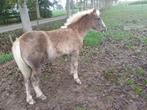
[[137, 89], [5, 57], [79, 108], [130, 82], [144, 40], [140, 72], [93, 38], [137, 86], [110, 75], [53, 26], [119, 16], [115, 19], [56, 13], [145, 82]]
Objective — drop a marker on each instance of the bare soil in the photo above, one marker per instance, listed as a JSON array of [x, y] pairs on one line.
[[104, 73]]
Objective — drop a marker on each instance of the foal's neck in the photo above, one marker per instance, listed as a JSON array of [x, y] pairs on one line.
[[82, 27]]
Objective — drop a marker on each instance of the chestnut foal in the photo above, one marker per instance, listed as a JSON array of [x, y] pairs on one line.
[[30, 49]]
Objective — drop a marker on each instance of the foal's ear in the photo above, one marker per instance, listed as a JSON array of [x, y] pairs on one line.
[[94, 12]]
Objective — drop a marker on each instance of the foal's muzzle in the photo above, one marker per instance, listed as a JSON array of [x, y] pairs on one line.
[[104, 30]]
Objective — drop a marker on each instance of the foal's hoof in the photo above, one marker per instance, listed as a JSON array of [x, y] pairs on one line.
[[42, 97], [31, 101], [78, 81]]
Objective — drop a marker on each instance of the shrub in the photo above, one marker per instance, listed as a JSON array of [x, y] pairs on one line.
[[5, 57]]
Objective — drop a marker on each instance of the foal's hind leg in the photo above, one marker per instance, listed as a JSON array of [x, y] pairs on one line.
[[29, 98], [74, 66], [35, 83]]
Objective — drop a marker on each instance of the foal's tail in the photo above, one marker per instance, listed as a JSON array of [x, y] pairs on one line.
[[24, 68]]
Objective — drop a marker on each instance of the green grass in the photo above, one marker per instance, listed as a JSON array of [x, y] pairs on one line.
[[5, 57], [130, 82], [144, 40], [140, 72], [56, 13], [145, 82], [121, 15], [94, 38], [55, 25], [137, 89], [115, 19], [79, 108]]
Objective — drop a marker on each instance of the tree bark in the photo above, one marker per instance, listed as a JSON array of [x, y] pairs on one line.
[[92, 3], [24, 15], [37, 9], [72, 6], [81, 5], [38, 13], [84, 4], [68, 8]]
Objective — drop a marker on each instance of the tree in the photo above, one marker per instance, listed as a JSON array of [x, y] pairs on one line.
[[57, 5], [4, 6], [38, 13], [54, 3], [92, 3], [72, 6], [68, 8], [85, 4], [24, 15], [6, 11], [44, 7], [97, 4], [39, 8]]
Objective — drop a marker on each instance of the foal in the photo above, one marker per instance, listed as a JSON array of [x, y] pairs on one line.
[[30, 49]]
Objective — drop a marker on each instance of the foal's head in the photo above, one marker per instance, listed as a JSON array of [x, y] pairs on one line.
[[95, 22], [85, 20]]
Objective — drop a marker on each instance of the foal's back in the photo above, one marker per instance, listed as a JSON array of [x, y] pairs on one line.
[[37, 45]]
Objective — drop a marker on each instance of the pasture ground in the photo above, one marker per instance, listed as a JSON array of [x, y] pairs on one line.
[[112, 68]]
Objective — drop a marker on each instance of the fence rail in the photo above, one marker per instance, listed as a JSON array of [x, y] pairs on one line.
[[34, 23]]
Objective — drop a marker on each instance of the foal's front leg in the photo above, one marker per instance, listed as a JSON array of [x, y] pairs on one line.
[[74, 66]]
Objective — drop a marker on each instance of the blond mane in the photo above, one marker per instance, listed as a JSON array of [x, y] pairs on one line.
[[75, 17]]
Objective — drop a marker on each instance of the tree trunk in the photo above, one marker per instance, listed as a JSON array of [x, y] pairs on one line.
[[68, 8], [81, 5], [92, 3], [38, 13], [37, 9], [25, 19], [86, 4], [71, 6]]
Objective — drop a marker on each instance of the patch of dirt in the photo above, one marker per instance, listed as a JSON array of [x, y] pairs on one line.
[[104, 73]]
